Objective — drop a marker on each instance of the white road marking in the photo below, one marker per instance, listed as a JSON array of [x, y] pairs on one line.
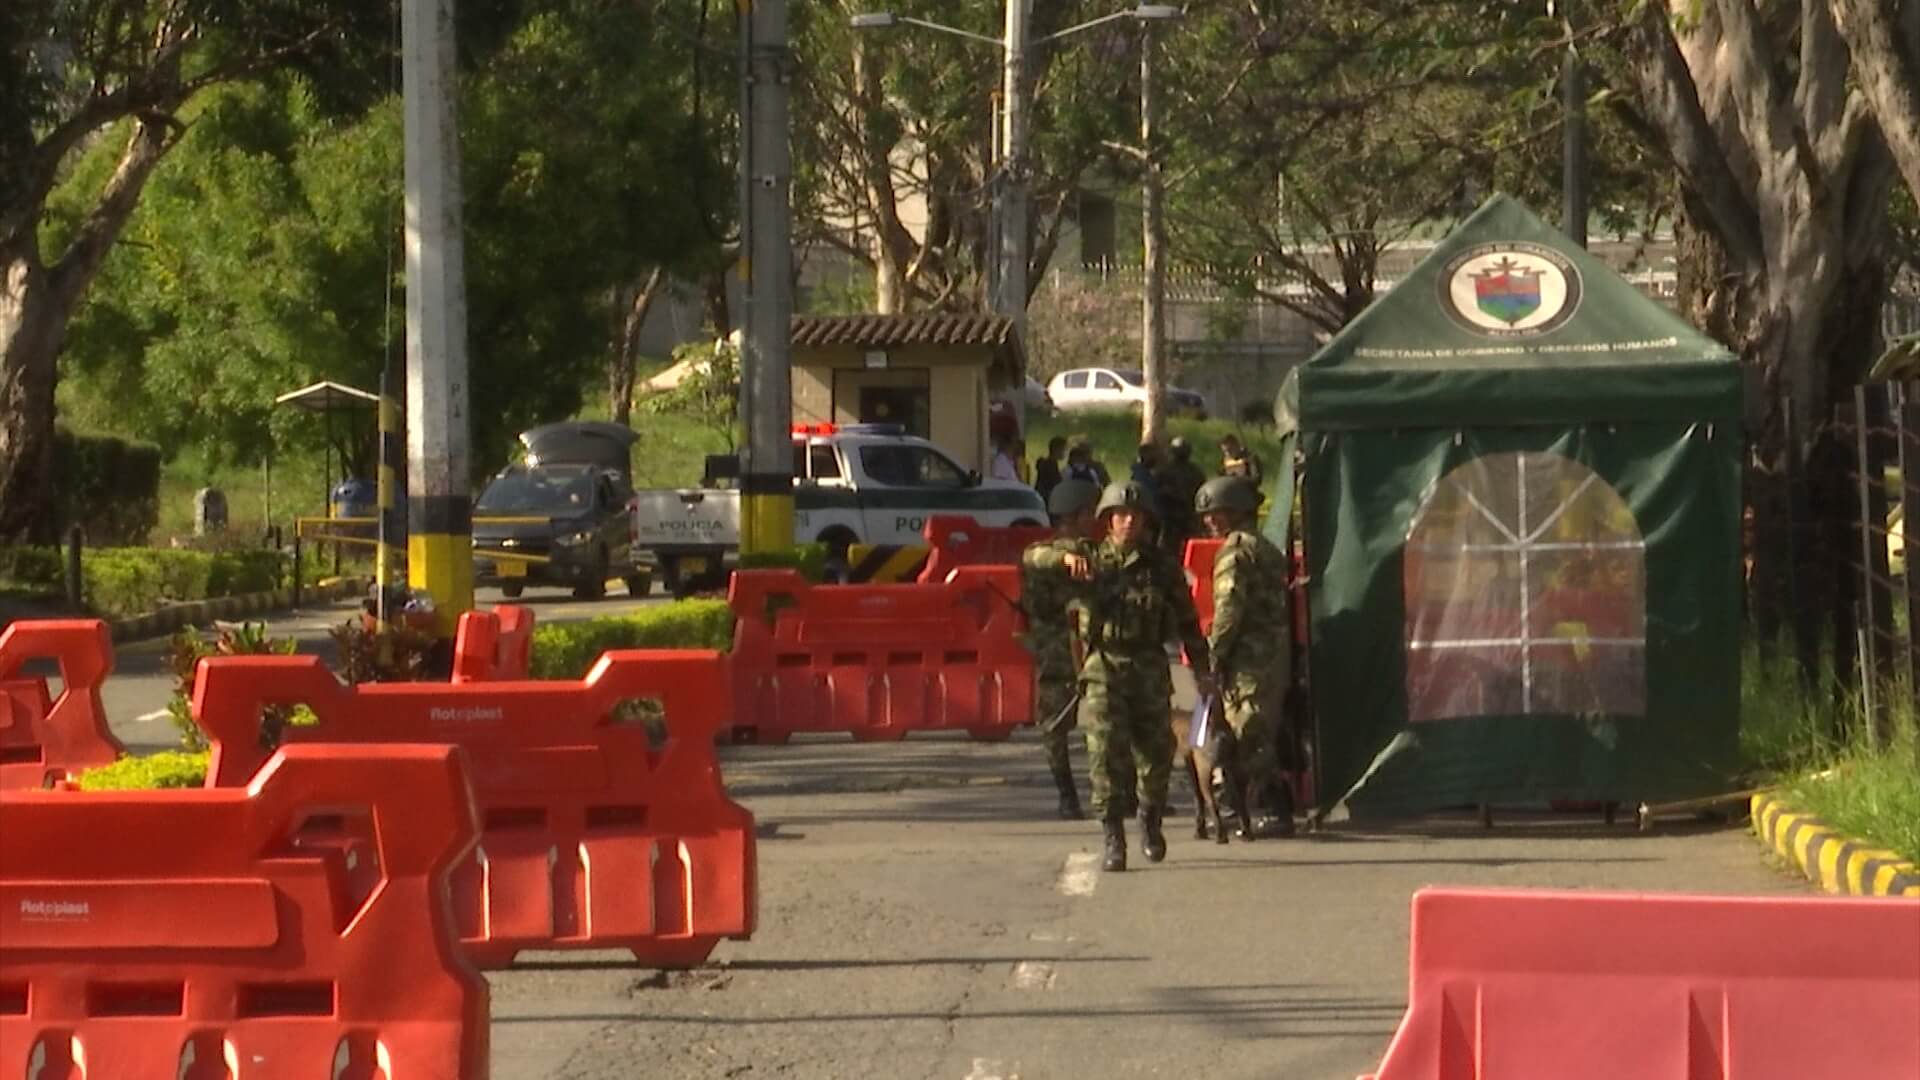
[[1032, 975], [1080, 874], [148, 718], [990, 1069]]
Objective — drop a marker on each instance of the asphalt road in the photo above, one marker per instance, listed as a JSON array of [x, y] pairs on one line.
[[922, 914]]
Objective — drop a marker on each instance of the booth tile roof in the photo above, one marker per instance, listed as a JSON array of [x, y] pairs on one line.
[[884, 331]]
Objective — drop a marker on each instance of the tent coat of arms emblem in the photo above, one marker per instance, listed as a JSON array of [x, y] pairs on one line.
[[1510, 289]]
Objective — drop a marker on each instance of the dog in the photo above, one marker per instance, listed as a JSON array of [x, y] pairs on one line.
[[1216, 752]]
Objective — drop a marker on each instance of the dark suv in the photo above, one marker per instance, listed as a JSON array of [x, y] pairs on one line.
[[567, 506]]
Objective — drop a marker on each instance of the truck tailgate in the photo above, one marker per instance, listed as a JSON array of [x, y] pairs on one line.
[[690, 517]]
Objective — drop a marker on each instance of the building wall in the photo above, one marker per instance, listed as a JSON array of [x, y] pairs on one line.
[[956, 384]]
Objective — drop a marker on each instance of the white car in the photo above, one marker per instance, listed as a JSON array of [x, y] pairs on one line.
[[1113, 388]]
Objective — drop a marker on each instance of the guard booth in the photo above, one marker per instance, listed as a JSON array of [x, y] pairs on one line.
[[1520, 485], [931, 374]]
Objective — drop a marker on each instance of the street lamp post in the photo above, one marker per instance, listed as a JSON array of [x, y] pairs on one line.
[[1010, 283], [1009, 296], [1153, 270]]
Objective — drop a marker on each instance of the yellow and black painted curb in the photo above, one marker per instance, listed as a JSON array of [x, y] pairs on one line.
[[878, 564], [174, 616], [1836, 863]]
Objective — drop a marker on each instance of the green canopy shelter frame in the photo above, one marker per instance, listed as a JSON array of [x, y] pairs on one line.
[[1521, 499]]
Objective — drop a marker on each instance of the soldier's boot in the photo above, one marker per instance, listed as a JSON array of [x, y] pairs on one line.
[[1116, 855], [1069, 796], [1279, 821], [1282, 801], [1242, 796], [1154, 844]]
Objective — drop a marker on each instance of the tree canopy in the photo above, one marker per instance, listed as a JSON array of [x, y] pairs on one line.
[[266, 253]]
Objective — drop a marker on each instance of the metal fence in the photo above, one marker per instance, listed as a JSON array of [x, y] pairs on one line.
[[1850, 588]]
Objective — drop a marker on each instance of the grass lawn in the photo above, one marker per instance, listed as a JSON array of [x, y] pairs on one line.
[[1817, 749], [1870, 793], [1115, 436], [297, 488]]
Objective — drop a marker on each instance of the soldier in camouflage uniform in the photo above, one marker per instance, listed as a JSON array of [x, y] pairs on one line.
[[1136, 601], [1251, 641], [1047, 593]]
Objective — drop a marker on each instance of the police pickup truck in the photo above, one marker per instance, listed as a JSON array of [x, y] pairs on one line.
[[852, 484]]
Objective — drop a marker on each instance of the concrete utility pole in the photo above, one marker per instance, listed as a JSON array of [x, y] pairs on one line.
[[439, 517], [1153, 230], [1010, 291], [766, 263]]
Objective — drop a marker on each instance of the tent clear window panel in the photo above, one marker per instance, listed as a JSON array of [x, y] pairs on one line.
[[1525, 589]]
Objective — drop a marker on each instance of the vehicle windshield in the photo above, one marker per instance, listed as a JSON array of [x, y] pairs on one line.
[[1133, 378], [528, 491], [910, 466]]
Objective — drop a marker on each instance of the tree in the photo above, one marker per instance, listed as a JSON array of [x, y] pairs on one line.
[[267, 253], [901, 123], [1319, 138], [77, 72], [1884, 38], [1785, 182], [709, 392]]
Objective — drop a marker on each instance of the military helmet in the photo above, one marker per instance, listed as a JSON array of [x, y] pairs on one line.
[[1126, 495], [1232, 494], [1181, 448], [1071, 496]]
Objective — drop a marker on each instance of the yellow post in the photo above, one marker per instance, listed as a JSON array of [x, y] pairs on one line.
[[393, 518], [766, 517]]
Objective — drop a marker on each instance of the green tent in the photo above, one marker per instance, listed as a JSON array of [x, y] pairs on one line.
[[1521, 495]]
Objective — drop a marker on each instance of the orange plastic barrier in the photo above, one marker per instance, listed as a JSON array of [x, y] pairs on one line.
[[493, 646], [1198, 559], [43, 739], [879, 661], [956, 540], [1599, 986], [189, 934], [596, 836]]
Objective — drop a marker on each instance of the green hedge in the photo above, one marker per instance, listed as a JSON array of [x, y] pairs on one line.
[[39, 566], [567, 650], [167, 769], [809, 559], [108, 486], [133, 581]]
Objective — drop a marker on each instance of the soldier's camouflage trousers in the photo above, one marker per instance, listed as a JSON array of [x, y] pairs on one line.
[[1252, 710], [1124, 713]]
